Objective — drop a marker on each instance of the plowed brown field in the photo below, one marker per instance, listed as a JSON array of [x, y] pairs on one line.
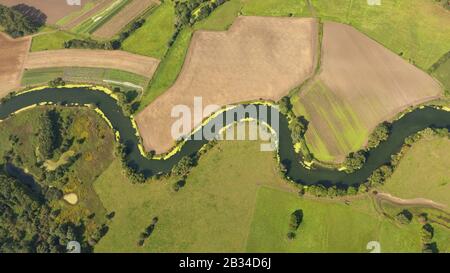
[[125, 16], [257, 58], [13, 54], [361, 84], [115, 59]]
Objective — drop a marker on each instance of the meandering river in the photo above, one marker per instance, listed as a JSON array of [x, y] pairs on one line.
[[409, 124]]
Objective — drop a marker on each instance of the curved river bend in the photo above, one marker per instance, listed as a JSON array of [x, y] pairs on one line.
[[409, 124]]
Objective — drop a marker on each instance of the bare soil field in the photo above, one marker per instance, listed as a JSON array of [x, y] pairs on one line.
[[360, 85], [257, 58], [125, 16], [115, 59], [13, 54], [54, 9], [102, 4]]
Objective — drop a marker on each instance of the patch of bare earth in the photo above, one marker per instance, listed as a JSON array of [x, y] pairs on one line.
[[13, 53], [257, 58], [54, 9], [367, 80], [125, 16], [114, 59]]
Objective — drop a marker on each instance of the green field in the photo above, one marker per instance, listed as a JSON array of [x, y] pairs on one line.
[[51, 40], [443, 75], [92, 24], [152, 38], [423, 172], [327, 226], [211, 213], [419, 30], [235, 201], [346, 129], [275, 8], [83, 75]]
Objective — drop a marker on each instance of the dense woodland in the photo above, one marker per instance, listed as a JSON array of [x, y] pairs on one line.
[[27, 222], [31, 208], [21, 20]]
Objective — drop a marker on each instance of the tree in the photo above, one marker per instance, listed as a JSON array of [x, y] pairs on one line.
[[381, 133], [404, 217], [183, 166], [285, 106], [296, 220], [352, 190], [354, 161], [47, 133], [427, 233], [56, 82], [298, 127], [380, 175]]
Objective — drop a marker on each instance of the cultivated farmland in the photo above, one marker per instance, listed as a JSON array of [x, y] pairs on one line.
[[101, 5], [257, 58], [120, 60], [360, 85], [93, 23], [13, 54], [54, 9], [125, 16]]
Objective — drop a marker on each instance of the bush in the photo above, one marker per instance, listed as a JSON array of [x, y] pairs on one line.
[[183, 166], [91, 44], [404, 217], [380, 134], [56, 82], [380, 175], [285, 106], [354, 161], [296, 220], [48, 133], [298, 128]]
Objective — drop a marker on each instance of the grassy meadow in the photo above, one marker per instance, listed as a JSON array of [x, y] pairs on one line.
[[83, 75], [235, 201], [419, 31], [423, 172], [51, 40], [443, 75], [153, 37], [327, 226]]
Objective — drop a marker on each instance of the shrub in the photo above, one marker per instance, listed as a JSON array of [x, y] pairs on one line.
[[380, 134], [354, 161], [183, 166], [404, 217]]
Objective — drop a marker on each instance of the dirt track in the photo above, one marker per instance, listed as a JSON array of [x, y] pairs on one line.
[[416, 202], [116, 59], [257, 58], [125, 16], [13, 54], [54, 9]]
